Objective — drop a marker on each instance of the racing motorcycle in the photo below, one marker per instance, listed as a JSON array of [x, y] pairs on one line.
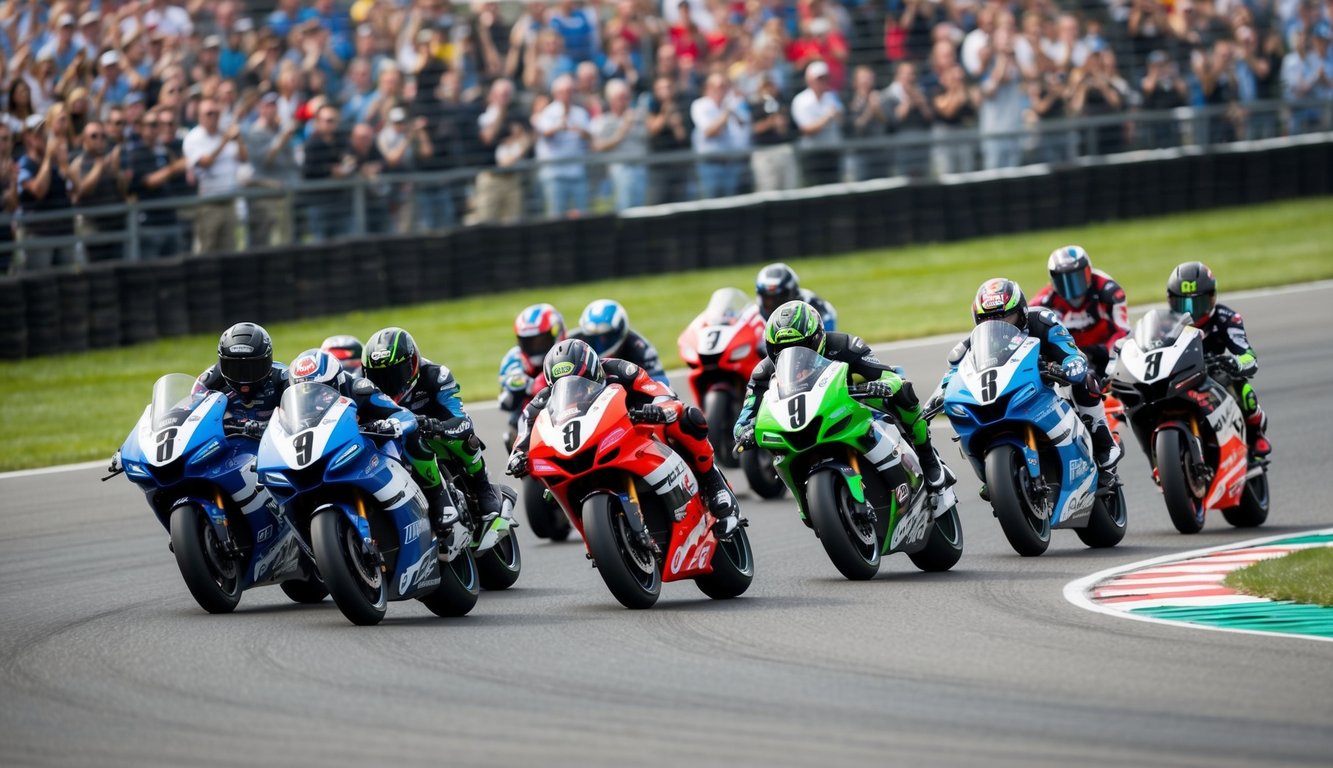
[[632, 498], [1025, 440], [722, 346], [826, 443], [199, 479], [349, 492], [1190, 426]]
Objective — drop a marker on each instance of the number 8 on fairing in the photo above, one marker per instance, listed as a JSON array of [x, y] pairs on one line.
[[1154, 363], [165, 442], [988, 384]]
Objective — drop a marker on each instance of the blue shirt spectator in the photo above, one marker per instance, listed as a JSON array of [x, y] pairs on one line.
[[578, 31]]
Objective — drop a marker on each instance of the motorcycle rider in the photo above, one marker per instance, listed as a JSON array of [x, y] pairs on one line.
[[1090, 305], [604, 324], [246, 373], [649, 402], [393, 363], [777, 284], [537, 329], [348, 350], [798, 324], [1002, 299], [1192, 290]]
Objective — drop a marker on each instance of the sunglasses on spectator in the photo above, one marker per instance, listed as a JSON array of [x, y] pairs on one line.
[[96, 136], [211, 113]]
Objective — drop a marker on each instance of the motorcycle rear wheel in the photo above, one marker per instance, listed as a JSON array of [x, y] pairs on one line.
[[1182, 503], [852, 545], [460, 584], [720, 412], [631, 572], [358, 587], [1253, 508], [213, 579], [545, 518], [945, 545], [500, 565], [1027, 533], [733, 568], [764, 479]]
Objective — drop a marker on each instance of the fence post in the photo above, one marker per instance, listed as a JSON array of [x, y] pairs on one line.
[[359, 207], [132, 232]]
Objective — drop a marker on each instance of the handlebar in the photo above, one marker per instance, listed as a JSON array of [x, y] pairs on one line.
[[1050, 372]]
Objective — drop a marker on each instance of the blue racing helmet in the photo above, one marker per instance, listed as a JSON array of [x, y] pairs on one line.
[[604, 324]]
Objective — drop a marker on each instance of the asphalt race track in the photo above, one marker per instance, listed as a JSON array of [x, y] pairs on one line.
[[106, 660]]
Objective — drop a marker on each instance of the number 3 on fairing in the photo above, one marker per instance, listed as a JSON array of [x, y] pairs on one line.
[[571, 434], [988, 384], [166, 440], [303, 443], [796, 409], [1154, 362]]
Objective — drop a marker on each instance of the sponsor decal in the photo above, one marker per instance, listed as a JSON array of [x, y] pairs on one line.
[[278, 560], [696, 533], [304, 366], [901, 492], [413, 530], [562, 368], [911, 528], [264, 534], [417, 572], [1188, 286], [1079, 467], [992, 301], [240, 349]]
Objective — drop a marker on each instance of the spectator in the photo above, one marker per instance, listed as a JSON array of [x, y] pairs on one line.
[[42, 190], [668, 131], [493, 37], [587, 88], [1220, 82], [721, 125], [96, 180], [8, 196], [622, 132], [1305, 77], [546, 62], [112, 86], [357, 95], [1163, 88], [577, 26], [61, 48], [867, 118], [562, 134], [400, 143], [268, 144], [917, 20], [1048, 96], [912, 117], [326, 157], [19, 106], [215, 156], [456, 145], [977, 51], [817, 112], [619, 62], [499, 196], [364, 160], [823, 44], [1148, 28], [773, 163], [1002, 104], [955, 111], [157, 169]]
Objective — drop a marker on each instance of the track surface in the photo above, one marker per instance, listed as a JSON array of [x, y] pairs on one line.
[[106, 660]]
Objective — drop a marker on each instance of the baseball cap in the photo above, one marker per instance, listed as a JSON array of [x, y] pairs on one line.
[[269, 98], [820, 26], [66, 20], [109, 58], [816, 69], [91, 17], [212, 41], [243, 25], [397, 115], [34, 123]]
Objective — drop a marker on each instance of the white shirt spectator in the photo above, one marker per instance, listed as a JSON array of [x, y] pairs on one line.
[[561, 144], [970, 55], [221, 175], [699, 13], [1056, 50], [705, 112], [808, 109]]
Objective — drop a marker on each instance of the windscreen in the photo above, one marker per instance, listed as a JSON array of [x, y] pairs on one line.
[[174, 396], [304, 404], [726, 306], [1159, 328], [798, 369], [994, 342], [571, 397]]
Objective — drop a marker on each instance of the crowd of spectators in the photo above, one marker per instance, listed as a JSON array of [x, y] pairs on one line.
[[110, 100]]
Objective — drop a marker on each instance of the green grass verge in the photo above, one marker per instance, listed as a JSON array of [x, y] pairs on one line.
[[76, 407], [1304, 576]]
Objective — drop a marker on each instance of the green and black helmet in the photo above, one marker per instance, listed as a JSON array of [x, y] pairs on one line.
[[794, 324], [1000, 299], [391, 362]]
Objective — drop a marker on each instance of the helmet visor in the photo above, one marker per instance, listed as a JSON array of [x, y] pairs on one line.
[[1070, 285], [769, 302], [607, 343], [1196, 307], [349, 358], [394, 380], [245, 370], [535, 347]]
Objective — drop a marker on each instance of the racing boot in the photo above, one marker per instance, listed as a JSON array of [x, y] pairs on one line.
[[937, 476], [1255, 426], [443, 514], [721, 503], [489, 503], [1106, 452]]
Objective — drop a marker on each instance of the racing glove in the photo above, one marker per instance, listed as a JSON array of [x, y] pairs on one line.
[[879, 389], [115, 467], [745, 439], [385, 427], [1226, 363], [518, 464], [652, 414]]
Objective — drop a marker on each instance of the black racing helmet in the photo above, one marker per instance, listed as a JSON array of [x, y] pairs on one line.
[[391, 362], [572, 357], [1192, 290], [775, 285], [1000, 299], [245, 356]]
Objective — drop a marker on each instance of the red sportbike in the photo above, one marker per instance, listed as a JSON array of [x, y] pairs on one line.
[[632, 498], [722, 346]]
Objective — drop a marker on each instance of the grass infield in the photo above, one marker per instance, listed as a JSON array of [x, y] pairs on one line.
[[77, 407], [1304, 576]]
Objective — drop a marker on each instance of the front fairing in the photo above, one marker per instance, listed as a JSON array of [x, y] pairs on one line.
[[808, 405], [723, 343]]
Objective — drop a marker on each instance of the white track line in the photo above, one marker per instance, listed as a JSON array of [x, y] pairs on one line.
[[1076, 591], [888, 346]]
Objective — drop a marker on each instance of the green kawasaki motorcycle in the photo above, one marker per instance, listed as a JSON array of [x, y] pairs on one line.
[[856, 481]]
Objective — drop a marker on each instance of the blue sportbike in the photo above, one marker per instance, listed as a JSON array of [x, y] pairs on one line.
[[199, 479], [350, 492], [1025, 440]]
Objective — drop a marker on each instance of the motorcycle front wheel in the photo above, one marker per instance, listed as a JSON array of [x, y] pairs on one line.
[[1027, 533], [545, 518], [352, 577], [1253, 508], [720, 413], [1183, 501], [500, 565], [764, 478], [213, 578], [629, 569], [945, 545], [851, 543], [460, 584], [733, 568], [1107, 521]]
